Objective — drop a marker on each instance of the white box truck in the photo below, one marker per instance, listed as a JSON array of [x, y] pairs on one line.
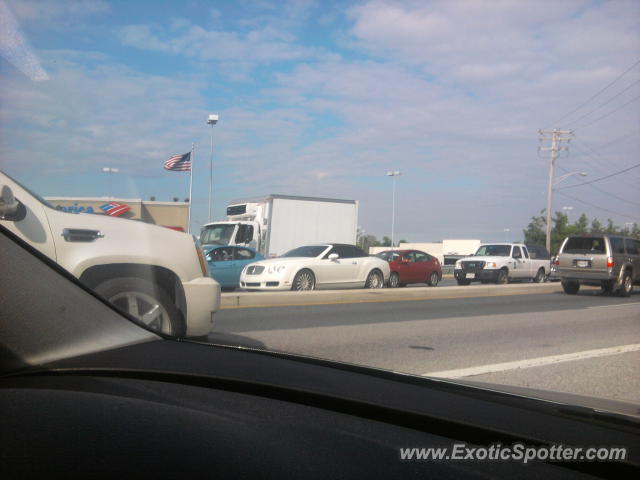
[[275, 224]]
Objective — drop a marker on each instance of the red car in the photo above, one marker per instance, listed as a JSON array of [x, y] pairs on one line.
[[412, 266]]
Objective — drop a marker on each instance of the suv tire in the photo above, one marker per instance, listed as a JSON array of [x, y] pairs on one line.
[[627, 285], [570, 287], [146, 301]]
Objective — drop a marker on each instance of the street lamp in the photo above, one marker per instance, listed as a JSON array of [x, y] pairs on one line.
[[393, 174], [212, 120], [506, 235], [109, 171], [552, 185], [567, 210]]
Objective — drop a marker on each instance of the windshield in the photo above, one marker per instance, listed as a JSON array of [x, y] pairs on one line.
[[309, 251], [219, 234], [494, 251], [355, 129], [585, 245], [389, 256]]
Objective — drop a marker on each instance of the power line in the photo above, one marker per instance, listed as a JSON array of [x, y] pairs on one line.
[[598, 206], [637, 130], [598, 93], [605, 103], [610, 113], [601, 190], [598, 156], [593, 159], [602, 178]]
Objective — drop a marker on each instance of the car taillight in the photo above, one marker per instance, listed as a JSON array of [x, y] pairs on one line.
[[556, 262], [610, 262]]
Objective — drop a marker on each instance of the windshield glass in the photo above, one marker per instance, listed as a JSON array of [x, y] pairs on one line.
[[494, 251], [309, 251], [585, 245], [219, 234], [389, 256], [360, 128]]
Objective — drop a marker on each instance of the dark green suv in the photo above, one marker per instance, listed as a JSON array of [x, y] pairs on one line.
[[609, 261]]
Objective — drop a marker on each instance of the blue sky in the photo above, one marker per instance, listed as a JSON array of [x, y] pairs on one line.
[[322, 98]]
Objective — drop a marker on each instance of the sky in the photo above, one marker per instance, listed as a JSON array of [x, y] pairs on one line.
[[322, 98]]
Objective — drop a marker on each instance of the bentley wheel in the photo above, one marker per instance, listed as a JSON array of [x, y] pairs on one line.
[[304, 280]]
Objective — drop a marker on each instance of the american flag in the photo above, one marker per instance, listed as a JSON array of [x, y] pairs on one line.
[[179, 163], [115, 209]]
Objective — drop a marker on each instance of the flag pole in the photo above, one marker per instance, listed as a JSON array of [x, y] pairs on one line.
[[193, 147]]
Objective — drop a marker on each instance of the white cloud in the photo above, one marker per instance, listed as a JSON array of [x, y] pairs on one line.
[[57, 10], [260, 45]]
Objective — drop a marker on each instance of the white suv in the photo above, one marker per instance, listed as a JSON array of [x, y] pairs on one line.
[[156, 274]]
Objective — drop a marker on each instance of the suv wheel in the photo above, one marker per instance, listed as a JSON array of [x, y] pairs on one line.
[[627, 285], [570, 287], [146, 301]]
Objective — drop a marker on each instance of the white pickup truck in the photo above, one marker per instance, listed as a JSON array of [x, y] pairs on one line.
[[155, 274], [501, 263]]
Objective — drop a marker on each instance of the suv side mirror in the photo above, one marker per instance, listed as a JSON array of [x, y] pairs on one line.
[[333, 256], [10, 208]]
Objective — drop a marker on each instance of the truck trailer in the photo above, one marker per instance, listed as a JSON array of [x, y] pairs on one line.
[[275, 224]]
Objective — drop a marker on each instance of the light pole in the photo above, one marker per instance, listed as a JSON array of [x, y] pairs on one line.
[[552, 185], [212, 120], [567, 210], [393, 174], [506, 235], [109, 171]]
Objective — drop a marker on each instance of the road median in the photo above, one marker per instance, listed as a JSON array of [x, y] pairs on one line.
[[327, 297]]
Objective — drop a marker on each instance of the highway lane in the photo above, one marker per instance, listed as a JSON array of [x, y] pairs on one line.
[[424, 337]]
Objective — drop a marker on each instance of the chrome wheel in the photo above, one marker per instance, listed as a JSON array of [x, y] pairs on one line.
[[304, 280], [145, 308], [374, 280], [433, 279], [627, 285], [394, 280]]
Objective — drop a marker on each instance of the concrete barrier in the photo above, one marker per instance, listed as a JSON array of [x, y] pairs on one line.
[[324, 297]]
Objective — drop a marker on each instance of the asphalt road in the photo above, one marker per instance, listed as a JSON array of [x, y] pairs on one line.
[[587, 344]]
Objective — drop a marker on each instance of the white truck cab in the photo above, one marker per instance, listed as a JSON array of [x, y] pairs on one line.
[[155, 274], [500, 263]]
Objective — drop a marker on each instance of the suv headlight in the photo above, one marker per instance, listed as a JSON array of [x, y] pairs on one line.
[[490, 265], [275, 268]]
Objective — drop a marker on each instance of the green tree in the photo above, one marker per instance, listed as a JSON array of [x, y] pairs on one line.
[[582, 225], [561, 229], [596, 226], [611, 228], [535, 232]]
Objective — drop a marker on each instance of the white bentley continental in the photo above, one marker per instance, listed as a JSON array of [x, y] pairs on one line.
[[317, 266]]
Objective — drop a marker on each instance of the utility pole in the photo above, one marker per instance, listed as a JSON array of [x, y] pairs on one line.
[[557, 137], [393, 174]]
